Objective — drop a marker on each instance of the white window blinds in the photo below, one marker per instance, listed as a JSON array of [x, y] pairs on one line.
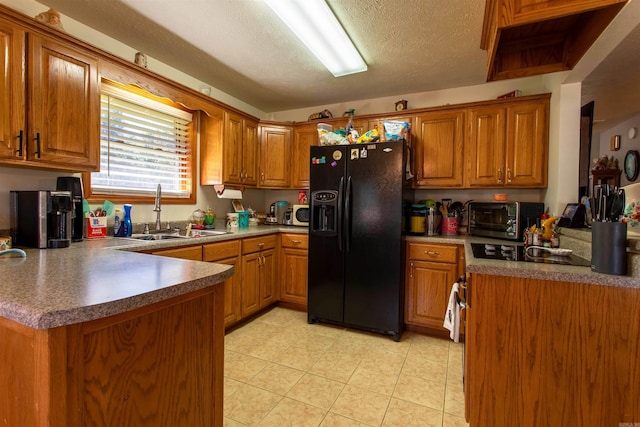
[[143, 143]]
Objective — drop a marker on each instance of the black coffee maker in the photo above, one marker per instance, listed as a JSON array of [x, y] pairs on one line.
[[41, 219], [74, 185]]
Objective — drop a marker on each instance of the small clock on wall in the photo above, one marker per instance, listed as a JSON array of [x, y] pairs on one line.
[[401, 105], [631, 165]]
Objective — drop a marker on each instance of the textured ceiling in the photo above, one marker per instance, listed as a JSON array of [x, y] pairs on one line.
[[240, 47]]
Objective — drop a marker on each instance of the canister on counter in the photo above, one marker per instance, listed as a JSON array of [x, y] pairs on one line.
[[417, 219], [243, 219], [232, 221]]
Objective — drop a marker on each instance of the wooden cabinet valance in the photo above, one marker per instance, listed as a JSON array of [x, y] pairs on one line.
[[531, 37]]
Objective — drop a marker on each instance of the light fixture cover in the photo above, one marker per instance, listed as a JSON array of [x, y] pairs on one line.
[[317, 27]]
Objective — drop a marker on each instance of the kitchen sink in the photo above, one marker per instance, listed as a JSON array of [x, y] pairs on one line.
[[157, 236], [170, 236], [205, 233]]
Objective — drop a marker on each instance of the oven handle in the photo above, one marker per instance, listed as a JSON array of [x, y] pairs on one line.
[[463, 303]]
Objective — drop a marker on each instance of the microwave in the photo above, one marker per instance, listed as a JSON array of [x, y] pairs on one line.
[[503, 220], [301, 215]]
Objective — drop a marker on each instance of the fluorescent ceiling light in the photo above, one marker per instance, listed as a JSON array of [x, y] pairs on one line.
[[314, 23]]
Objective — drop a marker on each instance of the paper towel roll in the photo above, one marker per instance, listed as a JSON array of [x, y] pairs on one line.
[[228, 193]]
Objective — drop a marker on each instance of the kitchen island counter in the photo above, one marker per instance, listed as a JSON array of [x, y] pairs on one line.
[[96, 336], [57, 287], [97, 278]]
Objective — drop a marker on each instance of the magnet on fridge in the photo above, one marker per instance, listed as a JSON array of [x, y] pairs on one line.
[[354, 154], [334, 164], [363, 153], [337, 155]]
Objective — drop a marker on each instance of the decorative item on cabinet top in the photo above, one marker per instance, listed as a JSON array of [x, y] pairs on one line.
[[324, 114], [140, 59], [51, 18], [401, 105]]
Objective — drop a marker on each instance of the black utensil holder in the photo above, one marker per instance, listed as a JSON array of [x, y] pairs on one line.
[[609, 247]]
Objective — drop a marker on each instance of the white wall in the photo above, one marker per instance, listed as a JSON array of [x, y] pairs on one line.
[[626, 143], [528, 86]]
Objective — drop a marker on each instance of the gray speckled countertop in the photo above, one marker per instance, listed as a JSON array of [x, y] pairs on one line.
[[101, 277], [91, 280], [565, 273]]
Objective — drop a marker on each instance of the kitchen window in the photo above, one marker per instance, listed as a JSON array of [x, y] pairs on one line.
[[144, 141]]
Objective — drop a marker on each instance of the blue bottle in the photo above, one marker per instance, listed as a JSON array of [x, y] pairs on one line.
[[126, 222]]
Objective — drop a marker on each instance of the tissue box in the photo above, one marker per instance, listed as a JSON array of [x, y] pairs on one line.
[[96, 227]]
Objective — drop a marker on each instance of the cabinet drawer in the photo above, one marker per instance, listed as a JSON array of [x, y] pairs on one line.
[[433, 252], [222, 250], [298, 241], [190, 252], [255, 244]]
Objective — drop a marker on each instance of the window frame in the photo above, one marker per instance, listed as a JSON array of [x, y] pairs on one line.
[[150, 199]]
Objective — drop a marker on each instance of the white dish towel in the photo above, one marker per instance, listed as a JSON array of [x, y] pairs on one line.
[[452, 316]]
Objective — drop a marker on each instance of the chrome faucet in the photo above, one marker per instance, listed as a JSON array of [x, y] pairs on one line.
[[158, 206]]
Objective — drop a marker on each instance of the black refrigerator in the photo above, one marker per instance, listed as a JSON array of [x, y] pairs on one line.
[[356, 250]]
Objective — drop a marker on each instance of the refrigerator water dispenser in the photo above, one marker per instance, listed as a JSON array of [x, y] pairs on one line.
[[324, 205]]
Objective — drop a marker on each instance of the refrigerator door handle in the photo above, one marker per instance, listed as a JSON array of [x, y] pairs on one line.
[[339, 212], [347, 215]]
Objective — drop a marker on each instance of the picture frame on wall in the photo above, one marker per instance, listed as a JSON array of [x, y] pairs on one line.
[[614, 143]]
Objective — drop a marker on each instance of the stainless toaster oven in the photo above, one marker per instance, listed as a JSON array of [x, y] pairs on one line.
[[503, 220]]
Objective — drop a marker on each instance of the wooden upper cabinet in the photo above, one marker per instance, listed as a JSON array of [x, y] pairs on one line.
[[527, 144], [13, 93], [530, 37], [233, 136], [250, 152], [485, 150], [303, 138], [62, 88], [64, 105], [211, 146], [240, 150], [507, 145], [275, 156], [438, 139]]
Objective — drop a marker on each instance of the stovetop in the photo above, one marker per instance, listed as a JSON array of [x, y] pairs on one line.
[[517, 253]]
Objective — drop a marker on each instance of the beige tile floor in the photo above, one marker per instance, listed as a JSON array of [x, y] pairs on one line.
[[281, 371]]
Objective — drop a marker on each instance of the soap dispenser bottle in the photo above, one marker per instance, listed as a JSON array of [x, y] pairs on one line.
[[126, 222]]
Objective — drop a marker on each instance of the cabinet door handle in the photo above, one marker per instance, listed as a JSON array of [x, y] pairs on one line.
[[411, 270], [295, 242], [37, 139], [262, 176], [431, 253], [260, 245], [509, 175], [19, 150], [500, 175]]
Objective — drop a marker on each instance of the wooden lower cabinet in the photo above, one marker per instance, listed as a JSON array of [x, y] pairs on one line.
[[294, 260], [431, 271], [228, 253], [550, 353], [258, 274], [194, 253], [159, 365]]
